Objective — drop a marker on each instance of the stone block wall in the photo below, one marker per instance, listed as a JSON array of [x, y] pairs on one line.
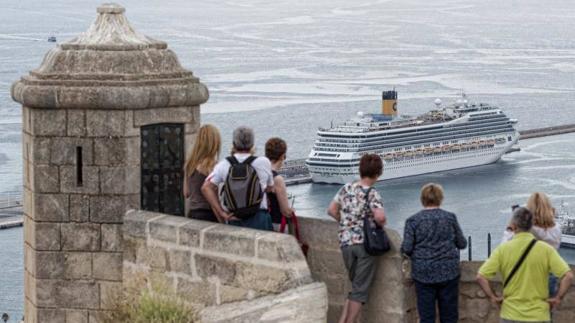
[[229, 274], [392, 296], [474, 307]]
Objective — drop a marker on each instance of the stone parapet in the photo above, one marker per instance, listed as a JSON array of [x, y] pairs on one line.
[[209, 265], [392, 296]]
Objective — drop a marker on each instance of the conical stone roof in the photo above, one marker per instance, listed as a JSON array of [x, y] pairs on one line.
[[110, 66]]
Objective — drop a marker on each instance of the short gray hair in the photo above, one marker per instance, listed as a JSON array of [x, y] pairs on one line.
[[523, 219], [243, 138]]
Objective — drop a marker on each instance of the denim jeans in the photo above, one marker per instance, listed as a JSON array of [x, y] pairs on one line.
[[446, 294], [261, 221]]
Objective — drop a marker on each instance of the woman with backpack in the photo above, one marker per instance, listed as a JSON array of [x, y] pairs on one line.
[[350, 205], [200, 163], [276, 149]]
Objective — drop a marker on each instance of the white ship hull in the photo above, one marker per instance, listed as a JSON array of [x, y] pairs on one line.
[[423, 165]]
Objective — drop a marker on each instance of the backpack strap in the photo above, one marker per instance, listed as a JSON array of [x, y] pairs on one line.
[[518, 264], [249, 160], [366, 206], [232, 160]]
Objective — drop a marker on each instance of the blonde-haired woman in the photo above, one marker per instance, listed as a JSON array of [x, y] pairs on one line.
[[200, 163], [544, 227]]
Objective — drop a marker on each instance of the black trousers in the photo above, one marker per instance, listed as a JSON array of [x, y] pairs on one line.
[[445, 294]]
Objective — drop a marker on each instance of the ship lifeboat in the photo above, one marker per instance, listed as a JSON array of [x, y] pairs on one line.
[[491, 142], [437, 149], [465, 146], [408, 153], [419, 151], [474, 144], [456, 147], [482, 143], [428, 150], [446, 148], [388, 156], [399, 155]]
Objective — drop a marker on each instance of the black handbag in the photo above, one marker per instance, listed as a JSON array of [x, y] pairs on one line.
[[375, 240]]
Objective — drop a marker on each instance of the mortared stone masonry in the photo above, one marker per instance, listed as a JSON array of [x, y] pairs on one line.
[[83, 110]]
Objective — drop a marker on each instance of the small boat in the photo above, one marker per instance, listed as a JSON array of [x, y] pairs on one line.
[[567, 224], [446, 148], [428, 151], [437, 149], [491, 142], [52, 39], [456, 147], [419, 151], [388, 156], [408, 153]]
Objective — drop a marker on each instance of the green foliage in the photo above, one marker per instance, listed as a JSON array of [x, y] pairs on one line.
[[151, 307]]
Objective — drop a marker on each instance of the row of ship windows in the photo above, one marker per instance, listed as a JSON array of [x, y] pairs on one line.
[[469, 124], [417, 159], [324, 147], [450, 133], [351, 171]]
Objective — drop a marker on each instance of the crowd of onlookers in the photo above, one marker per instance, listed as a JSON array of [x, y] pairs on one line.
[[246, 190]]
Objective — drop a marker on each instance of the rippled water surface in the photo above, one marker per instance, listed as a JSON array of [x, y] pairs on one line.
[[287, 67]]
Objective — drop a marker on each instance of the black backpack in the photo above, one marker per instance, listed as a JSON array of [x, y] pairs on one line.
[[242, 191]]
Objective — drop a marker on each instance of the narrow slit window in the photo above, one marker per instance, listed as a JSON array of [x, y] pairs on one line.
[[79, 173]]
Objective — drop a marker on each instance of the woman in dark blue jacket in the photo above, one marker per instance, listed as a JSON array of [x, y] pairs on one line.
[[432, 239]]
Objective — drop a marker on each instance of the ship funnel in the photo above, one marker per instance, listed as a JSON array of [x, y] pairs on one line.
[[389, 103]]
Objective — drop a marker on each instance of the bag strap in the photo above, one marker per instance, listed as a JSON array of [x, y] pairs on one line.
[[283, 224], [249, 160], [366, 206], [518, 264], [232, 160]]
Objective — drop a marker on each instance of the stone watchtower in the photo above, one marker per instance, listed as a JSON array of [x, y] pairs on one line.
[[107, 118]]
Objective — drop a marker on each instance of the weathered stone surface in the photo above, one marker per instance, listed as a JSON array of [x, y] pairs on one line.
[[107, 209], [305, 304], [230, 239], [42, 235], [67, 294], [131, 247], [192, 127], [108, 266], [136, 222], [79, 208], [80, 236], [111, 237], [48, 265], [45, 122], [44, 179], [173, 115], [154, 257], [50, 207], [197, 291], [110, 151], [76, 316], [63, 151], [77, 265], [229, 294], [190, 232], [262, 278], [120, 180], [279, 247], [50, 315], [208, 266], [110, 294], [36, 149], [76, 126], [180, 261], [69, 181], [166, 229], [105, 123]]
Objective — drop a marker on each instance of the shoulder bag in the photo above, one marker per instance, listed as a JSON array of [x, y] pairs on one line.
[[375, 240]]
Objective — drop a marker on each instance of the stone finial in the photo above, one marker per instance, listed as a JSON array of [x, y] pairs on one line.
[[112, 31], [110, 66]]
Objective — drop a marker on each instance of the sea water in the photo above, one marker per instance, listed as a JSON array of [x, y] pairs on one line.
[[288, 67]]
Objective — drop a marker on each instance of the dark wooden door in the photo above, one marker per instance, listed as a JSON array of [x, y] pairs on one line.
[[162, 162]]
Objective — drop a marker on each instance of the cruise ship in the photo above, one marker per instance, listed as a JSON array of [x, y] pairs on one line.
[[447, 137]]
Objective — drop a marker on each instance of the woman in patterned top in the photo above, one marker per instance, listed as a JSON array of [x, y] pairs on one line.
[[349, 208], [432, 239]]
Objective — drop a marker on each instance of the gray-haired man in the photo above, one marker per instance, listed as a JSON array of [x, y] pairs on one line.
[[243, 144], [526, 293]]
